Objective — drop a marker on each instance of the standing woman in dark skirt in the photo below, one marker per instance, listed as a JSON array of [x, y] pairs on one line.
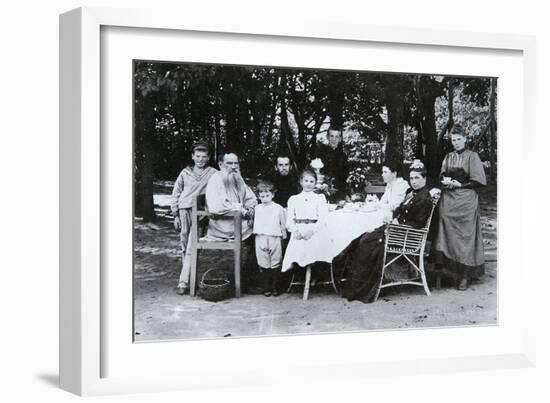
[[459, 243]]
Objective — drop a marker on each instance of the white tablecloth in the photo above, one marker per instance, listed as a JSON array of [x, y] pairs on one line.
[[342, 227]]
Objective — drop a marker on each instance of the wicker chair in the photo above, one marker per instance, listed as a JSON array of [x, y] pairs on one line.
[[196, 243], [405, 242]]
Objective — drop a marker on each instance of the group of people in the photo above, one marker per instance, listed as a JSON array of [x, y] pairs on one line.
[[226, 191], [287, 212]]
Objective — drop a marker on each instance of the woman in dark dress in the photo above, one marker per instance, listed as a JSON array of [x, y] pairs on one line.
[[361, 262], [459, 243]]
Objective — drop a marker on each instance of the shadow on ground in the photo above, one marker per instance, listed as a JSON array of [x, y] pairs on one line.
[[161, 314]]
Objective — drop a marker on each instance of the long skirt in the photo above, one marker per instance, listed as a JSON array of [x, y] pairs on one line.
[[459, 242], [361, 266]]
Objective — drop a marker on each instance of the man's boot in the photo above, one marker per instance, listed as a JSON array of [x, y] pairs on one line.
[[266, 281], [275, 282]]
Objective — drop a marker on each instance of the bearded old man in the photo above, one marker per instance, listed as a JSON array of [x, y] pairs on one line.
[[226, 191]]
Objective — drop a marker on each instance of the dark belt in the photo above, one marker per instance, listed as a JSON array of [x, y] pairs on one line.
[[304, 221]]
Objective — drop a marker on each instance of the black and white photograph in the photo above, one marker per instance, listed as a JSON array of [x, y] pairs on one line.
[[243, 201], [273, 201]]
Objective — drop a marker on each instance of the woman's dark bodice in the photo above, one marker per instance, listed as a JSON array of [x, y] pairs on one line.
[[415, 209]]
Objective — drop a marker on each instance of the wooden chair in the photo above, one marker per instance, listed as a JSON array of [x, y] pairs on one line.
[[199, 211], [405, 242]]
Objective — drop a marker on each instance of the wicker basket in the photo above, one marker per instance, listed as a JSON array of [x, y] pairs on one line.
[[214, 285]]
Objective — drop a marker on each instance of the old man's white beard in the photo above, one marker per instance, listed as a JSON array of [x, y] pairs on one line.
[[234, 185]]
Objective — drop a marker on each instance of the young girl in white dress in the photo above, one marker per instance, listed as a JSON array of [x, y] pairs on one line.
[[306, 215]]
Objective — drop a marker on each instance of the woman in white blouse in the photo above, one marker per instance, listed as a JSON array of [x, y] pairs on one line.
[[396, 187]]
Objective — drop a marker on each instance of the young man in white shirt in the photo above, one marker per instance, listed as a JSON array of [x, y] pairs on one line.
[[191, 182]]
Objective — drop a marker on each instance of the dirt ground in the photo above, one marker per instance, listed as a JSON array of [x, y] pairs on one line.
[[161, 314]]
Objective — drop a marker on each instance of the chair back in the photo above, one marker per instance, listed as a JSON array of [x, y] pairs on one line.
[[199, 210], [408, 243], [199, 204], [407, 239], [436, 195]]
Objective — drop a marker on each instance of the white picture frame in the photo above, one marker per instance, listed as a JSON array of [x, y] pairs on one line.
[[83, 302]]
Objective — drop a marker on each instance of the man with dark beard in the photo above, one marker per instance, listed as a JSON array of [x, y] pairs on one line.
[[284, 180], [226, 191]]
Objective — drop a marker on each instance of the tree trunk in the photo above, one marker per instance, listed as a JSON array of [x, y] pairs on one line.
[[300, 123], [286, 142], [427, 92], [145, 130], [493, 129], [273, 115], [231, 136], [217, 137], [336, 97], [482, 135], [432, 158], [138, 161], [259, 124], [420, 147], [396, 114], [450, 121], [147, 204]]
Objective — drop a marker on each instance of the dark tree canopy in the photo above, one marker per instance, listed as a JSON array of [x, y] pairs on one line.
[[262, 111]]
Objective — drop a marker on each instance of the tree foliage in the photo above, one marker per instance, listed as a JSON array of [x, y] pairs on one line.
[[260, 111]]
